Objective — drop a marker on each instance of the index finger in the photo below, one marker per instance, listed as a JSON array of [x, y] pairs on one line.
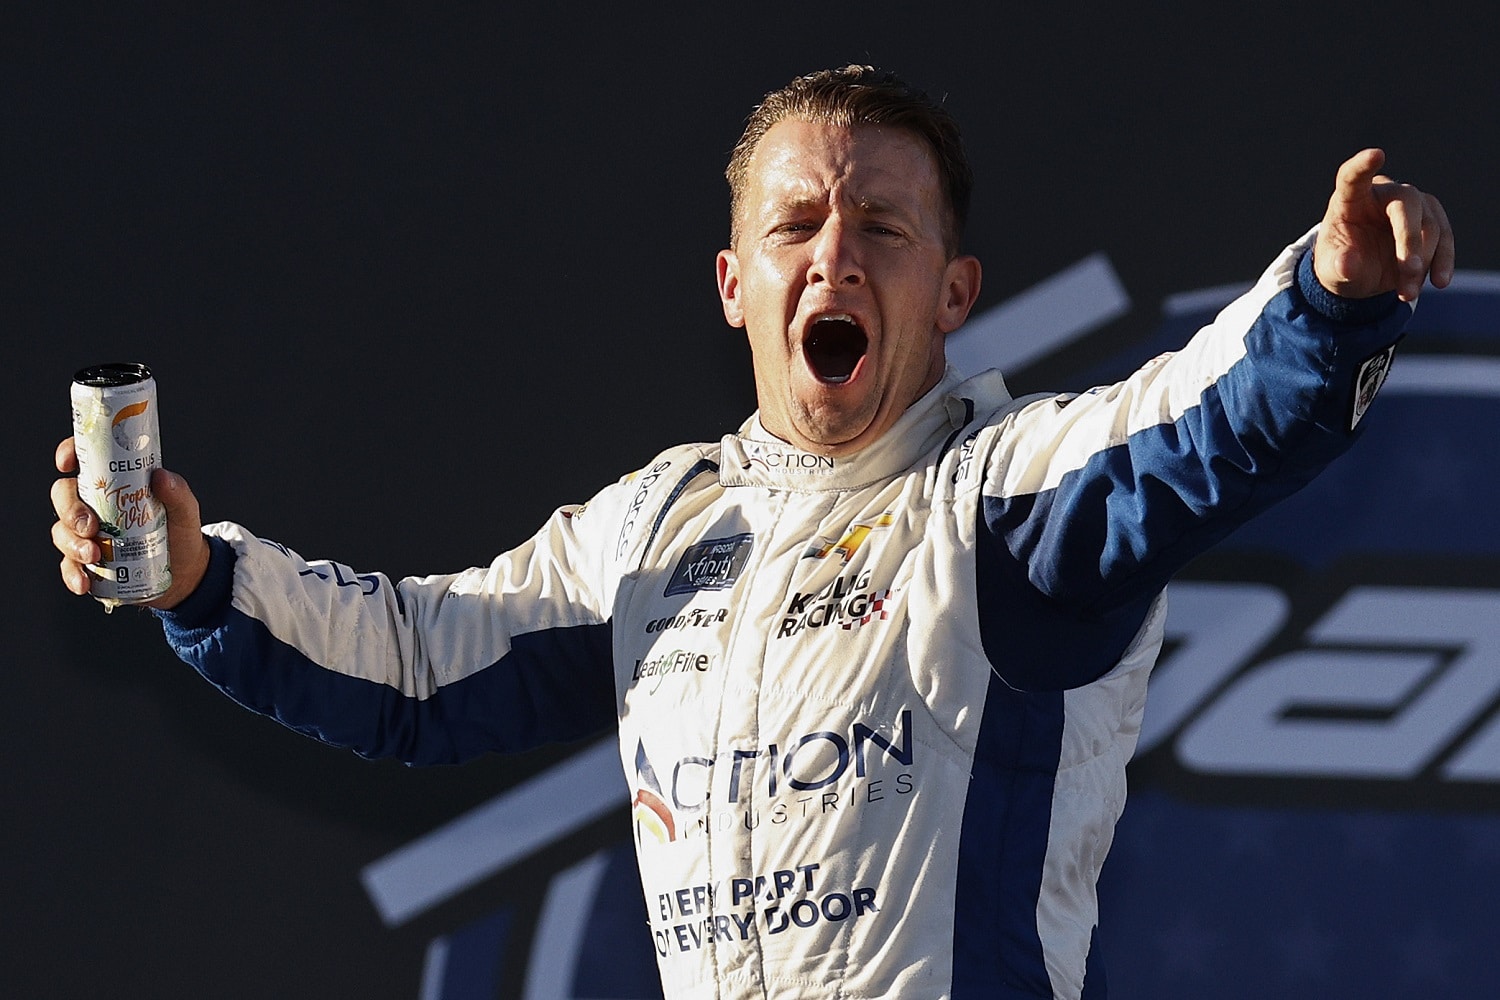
[[72, 513], [66, 456], [1356, 174]]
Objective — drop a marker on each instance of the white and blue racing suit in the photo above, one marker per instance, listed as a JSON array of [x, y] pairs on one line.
[[874, 711]]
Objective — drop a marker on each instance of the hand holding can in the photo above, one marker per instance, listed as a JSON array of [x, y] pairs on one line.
[[118, 442]]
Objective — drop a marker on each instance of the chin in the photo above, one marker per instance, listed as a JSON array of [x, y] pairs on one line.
[[834, 431]]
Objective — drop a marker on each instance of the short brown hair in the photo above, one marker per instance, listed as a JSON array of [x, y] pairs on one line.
[[860, 95]]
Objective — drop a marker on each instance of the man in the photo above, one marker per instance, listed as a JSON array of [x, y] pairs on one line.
[[878, 660]]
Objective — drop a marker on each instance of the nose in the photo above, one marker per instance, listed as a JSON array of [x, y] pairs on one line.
[[835, 257]]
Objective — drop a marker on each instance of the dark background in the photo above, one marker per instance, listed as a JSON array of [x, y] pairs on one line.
[[410, 279]]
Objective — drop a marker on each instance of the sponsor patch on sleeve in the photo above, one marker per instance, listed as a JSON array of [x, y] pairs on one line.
[[1367, 382]]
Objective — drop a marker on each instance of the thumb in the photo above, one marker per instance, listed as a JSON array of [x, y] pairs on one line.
[[172, 492], [185, 542]]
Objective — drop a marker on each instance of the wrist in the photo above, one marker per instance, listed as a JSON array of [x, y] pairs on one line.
[[1339, 308], [204, 587]]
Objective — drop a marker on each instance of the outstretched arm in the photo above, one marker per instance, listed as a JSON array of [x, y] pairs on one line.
[[429, 670], [1102, 497]]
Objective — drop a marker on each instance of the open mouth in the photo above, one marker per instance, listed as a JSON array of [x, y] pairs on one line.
[[834, 347]]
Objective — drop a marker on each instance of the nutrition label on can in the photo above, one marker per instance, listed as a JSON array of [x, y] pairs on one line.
[[140, 547]]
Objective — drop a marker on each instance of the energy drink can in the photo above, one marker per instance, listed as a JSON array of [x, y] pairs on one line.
[[118, 442]]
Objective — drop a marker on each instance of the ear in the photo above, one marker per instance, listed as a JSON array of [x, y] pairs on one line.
[[728, 267], [960, 291]]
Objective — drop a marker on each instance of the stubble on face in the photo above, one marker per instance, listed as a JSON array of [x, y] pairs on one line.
[[843, 281]]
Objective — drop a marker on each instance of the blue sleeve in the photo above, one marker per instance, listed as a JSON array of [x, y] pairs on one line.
[[432, 670], [1093, 502]]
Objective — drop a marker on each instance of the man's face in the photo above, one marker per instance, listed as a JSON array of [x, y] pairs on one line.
[[842, 280]]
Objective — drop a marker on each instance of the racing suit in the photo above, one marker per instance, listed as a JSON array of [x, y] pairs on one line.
[[875, 710]]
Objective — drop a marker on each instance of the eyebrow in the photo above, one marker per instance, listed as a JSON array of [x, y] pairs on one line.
[[796, 203], [877, 206], [867, 204]]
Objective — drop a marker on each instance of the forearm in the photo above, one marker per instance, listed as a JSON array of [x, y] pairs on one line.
[[1104, 496], [428, 671]]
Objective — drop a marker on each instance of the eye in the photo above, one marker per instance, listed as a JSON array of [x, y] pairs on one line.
[[788, 232], [885, 231]]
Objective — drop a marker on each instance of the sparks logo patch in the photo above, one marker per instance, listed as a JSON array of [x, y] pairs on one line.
[[849, 544], [648, 809]]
